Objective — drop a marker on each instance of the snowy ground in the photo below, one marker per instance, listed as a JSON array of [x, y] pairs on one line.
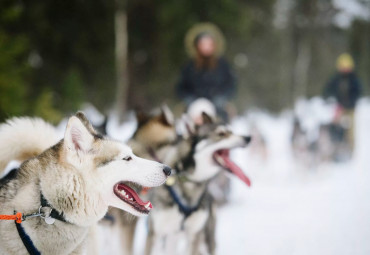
[[328, 214], [292, 210]]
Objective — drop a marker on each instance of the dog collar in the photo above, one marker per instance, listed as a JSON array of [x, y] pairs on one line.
[[49, 219], [54, 214], [46, 212]]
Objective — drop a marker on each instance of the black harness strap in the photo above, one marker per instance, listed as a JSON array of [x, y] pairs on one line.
[[184, 209], [110, 218], [32, 250]]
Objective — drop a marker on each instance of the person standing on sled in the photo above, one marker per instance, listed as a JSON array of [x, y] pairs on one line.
[[346, 90], [207, 74]]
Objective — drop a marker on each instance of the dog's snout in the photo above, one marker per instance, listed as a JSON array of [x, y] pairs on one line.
[[247, 139], [167, 171]]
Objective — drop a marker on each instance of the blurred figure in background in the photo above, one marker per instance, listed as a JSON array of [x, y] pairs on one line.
[[207, 74], [346, 89]]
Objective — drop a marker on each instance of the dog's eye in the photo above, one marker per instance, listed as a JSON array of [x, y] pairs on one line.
[[128, 158]]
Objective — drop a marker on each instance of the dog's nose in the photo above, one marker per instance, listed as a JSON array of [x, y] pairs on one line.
[[167, 171], [247, 139]]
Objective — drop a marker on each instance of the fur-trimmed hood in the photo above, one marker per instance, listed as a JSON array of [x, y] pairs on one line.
[[208, 28]]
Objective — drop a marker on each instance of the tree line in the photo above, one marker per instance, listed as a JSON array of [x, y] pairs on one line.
[[54, 55]]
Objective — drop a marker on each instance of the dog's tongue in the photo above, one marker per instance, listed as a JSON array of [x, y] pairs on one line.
[[235, 169], [133, 193]]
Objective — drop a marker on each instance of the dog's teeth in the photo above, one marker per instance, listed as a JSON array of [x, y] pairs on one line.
[[220, 160], [131, 199], [148, 206]]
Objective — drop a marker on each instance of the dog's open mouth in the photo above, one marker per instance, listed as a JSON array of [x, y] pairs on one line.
[[125, 191], [222, 158]]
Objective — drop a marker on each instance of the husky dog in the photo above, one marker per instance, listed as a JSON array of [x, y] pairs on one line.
[[185, 212], [220, 186], [154, 133], [153, 140], [65, 189]]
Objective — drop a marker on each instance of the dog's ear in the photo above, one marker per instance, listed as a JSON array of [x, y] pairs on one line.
[[166, 116], [206, 118], [187, 126], [86, 122], [141, 117], [77, 136]]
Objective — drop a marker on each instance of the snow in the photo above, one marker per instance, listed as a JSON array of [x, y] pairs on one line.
[[349, 10], [121, 132], [325, 216], [290, 209]]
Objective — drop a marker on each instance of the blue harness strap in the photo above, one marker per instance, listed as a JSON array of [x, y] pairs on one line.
[[186, 210], [110, 218], [32, 250]]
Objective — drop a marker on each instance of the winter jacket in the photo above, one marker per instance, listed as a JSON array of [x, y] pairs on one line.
[[216, 84], [345, 88]]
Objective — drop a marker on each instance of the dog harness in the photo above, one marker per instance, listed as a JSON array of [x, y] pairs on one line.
[[49, 218], [32, 250], [184, 209], [184, 163]]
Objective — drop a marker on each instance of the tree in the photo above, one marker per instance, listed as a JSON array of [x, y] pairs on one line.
[[121, 51], [14, 68]]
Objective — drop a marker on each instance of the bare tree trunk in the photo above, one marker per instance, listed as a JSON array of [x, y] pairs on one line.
[[287, 54], [286, 67], [121, 52], [301, 69]]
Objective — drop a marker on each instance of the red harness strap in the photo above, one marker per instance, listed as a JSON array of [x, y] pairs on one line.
[[17, 217]]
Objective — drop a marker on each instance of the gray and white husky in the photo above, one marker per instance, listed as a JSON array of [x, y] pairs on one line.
[[184, 219], [71, 183]]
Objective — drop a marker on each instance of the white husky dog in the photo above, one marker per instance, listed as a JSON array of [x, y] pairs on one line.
[[67, 185]]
